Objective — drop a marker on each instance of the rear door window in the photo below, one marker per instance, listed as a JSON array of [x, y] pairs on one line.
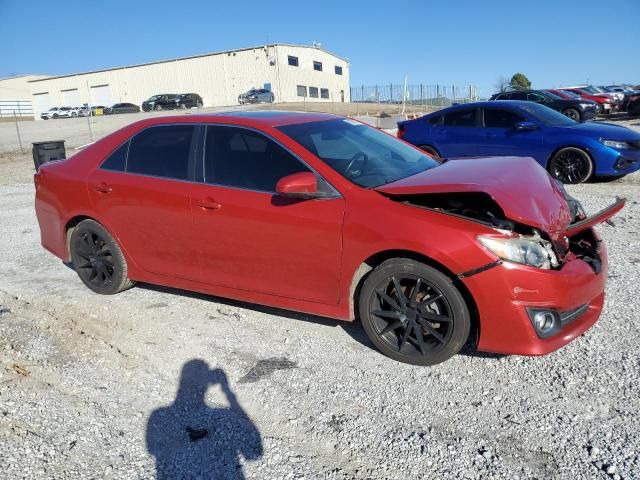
[[162, 151], [461, 118], [499, 118]]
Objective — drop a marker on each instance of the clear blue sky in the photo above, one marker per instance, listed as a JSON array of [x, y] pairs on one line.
[[552, 42]]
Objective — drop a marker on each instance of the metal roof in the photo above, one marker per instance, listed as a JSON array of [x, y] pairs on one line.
[[188, 58]]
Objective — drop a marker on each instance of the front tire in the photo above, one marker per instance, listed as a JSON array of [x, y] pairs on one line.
[[97, 259], [571, 165], [158, 107], [573, 114], [413, 313]]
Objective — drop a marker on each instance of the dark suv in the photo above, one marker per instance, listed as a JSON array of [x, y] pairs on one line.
[[576, 109], [165, 101], [189, 100]]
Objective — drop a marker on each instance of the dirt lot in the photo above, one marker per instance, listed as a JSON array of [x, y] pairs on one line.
[[106, 387]]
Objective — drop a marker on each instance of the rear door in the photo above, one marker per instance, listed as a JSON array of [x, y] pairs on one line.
[[141, 193], [254, 240], [502, 138], [459, 134]]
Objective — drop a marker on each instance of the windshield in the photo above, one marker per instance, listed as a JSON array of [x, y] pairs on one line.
[[154, 98], [362, 154], [547, 116], [591, 90]]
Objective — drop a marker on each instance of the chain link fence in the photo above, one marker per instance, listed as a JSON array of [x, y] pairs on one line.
[[426, 96]]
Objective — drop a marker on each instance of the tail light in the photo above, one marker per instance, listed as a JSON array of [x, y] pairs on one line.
[[401, 131]]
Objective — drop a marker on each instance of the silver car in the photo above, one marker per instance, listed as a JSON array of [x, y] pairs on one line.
[[256, 95]]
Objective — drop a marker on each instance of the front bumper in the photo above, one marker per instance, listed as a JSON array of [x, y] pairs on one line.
[[503, 293]]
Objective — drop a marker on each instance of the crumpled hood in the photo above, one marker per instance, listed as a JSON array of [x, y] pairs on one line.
[[519, 185]]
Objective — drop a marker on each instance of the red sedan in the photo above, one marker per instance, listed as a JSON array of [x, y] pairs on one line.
[[325, 215]]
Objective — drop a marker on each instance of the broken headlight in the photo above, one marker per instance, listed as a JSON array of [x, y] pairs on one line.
[[527, 250]]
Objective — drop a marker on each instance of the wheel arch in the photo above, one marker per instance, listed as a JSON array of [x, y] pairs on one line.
[[376, 259], [584, 148]]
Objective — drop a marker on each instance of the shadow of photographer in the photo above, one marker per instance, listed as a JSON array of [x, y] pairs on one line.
[[190, 439]]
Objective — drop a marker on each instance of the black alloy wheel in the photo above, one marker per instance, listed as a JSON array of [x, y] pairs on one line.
[[571, 165], [572, 113], [413, 313], [97, 259]]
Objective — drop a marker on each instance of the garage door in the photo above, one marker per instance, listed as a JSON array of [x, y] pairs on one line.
[[40, 103], [101, 95], [70, 98]]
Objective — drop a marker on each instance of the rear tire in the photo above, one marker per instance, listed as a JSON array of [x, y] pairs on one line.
[[98, 259], [401, 298], [571, 165], [573, 114], [158, 107]]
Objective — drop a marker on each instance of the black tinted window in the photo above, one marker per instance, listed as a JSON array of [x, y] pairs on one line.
[[293, 61], [536, 97], [496, 118], [241, 158], [161, 151], [518, 96], [317, 66], [117, 160], [338, 70], [435, 120], [461, 118]]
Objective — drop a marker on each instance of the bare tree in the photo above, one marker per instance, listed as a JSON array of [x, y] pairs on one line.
[[501, 84]]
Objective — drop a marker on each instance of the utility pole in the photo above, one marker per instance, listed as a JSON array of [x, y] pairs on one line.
[[15, 119]]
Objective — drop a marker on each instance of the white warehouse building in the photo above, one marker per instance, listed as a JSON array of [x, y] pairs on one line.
[[294, 73]]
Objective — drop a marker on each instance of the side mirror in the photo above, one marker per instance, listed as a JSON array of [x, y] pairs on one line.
[[526, 126], [298, 185]]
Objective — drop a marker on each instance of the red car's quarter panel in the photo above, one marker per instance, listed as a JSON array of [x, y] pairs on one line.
[[151, 218], [259, 242]]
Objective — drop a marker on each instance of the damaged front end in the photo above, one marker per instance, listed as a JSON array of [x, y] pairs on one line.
[[516, 241]]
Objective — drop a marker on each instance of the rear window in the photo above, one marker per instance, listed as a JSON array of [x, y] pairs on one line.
[[461, 118], [161, 151]]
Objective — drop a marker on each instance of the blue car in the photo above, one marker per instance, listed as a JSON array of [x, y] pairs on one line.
[[572, 152]]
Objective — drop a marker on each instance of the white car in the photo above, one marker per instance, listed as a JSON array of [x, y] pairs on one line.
[[59, 112]]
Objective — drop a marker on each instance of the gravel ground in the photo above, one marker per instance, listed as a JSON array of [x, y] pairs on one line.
[[124, 387]]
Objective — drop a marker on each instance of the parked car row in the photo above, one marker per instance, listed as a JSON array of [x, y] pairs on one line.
[[582, 102], [572, 152], [172, 101]]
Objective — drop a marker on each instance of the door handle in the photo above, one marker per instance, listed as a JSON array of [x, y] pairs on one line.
[[491, 135], [208, 204], [102, 188]]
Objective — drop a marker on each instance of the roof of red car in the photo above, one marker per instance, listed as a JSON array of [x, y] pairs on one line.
[[269, 118]]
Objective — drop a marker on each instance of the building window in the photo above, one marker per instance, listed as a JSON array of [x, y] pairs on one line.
[[293, 61], [324, 93], [317, 66], [313, 92], [338, 70], [302, 91]]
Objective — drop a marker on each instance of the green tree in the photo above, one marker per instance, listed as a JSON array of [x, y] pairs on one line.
[[520, 82]]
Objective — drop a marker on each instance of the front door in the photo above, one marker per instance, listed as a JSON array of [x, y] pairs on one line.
[[143, 199], [254, 240], [502, 138]]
